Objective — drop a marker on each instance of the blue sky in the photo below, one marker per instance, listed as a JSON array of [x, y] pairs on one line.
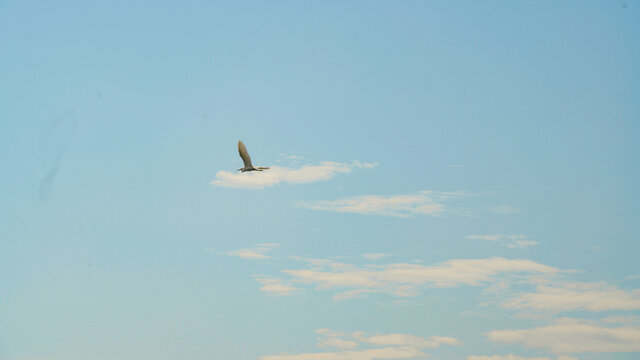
[[455, 180]]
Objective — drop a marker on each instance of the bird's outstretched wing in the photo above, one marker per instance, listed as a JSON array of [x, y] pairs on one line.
[[244, 155]]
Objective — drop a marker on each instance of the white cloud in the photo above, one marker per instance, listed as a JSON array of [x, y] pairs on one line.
[[505, 357], [577, 296], [492, 237], [510, 241], [380, 347], [255, 253], [338, 343], [408, 340], [330, 338], [423, 203], [516, 357], [374, 256], [573, 336], [274, 286], [306, 174], [405, 280], [368, 354]]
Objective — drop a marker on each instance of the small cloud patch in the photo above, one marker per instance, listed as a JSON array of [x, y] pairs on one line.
[[302, 175]]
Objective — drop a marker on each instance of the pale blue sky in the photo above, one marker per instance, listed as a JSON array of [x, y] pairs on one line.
[[487, 151]]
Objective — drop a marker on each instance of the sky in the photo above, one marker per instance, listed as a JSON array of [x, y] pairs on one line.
[[448, 180]]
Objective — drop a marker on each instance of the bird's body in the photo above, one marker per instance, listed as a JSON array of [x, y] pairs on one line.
[[246, 159]]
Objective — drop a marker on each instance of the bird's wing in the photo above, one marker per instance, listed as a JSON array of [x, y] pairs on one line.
[[244, 155]]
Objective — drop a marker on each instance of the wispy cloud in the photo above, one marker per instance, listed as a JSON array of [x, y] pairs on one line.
[[572, 336], [519, 244], [335, 339], [577, 296], [378, 347], [510, 241], [407, 340], [305, 174], [423, 203], [274, 286], [375, 256], [405, 280], [368, 354], [516, 357], [504, 210], [292, 157], [259, 252]]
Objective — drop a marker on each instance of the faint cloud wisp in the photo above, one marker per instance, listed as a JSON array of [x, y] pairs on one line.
[[510, 241], [577, 296], [516, 357], [259, 252], [406, 280], [375, 256], [373, 347], [572, 336], [504, 210], [423, 203], [274, 286]]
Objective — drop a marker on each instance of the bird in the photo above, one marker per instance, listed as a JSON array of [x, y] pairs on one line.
[[246, 159]]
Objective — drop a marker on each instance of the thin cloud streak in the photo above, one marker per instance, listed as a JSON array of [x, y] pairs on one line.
[[368, 354], [408, 340], [429, 203], [505, 357], [572, 336], [510, 241], [381, 347], [577, 296], [516, 357], [375, 256], [406, 280], [305, 174], [259, 252], [274, 286]]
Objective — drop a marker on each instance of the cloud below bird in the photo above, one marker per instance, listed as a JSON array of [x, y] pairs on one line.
[[305, 174]]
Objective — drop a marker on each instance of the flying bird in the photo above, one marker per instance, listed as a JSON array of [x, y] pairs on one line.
[[246, 159]]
